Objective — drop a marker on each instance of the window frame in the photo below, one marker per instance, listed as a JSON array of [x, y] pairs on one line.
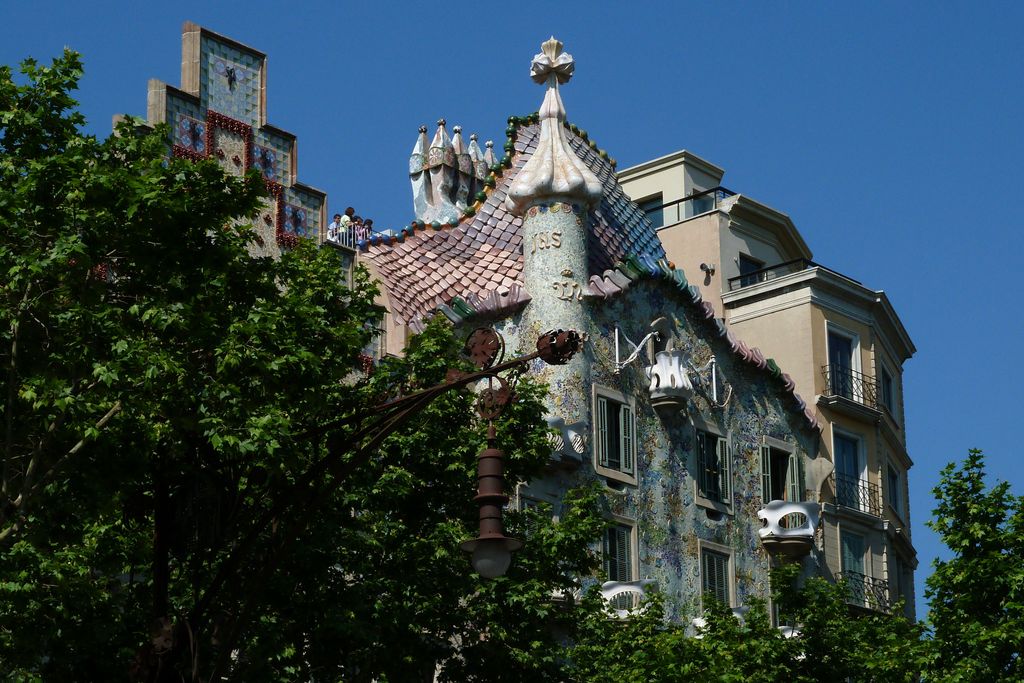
[[651, 202], [831, 329], [705, 547], [723, 449], [862, 468], [865, 561], [888, 403], [603, 395], [893, 472], [748, 279], [794, 488], [627, 525]]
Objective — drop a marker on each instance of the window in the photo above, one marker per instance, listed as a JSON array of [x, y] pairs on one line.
[[840, 363], [750, 271], [846, 452], [702, 204], [852, 553], [614, 435], [654, 210], [903, 580], [378, 346], [781, 475], [618, 552], [713, 467], [894, 484], [715, 575], [886, 390]]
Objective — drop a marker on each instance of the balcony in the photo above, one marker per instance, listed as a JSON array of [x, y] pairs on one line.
[[688, 207], [845, 383], [858, 494], [626, 597], [789, 527], [779, 270], [865, 591]]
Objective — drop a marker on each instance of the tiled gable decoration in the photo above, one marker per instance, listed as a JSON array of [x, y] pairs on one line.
[[220, 112], [478, 260], [473, 267]]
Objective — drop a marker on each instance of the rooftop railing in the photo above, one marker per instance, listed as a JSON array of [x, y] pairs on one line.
[[351, 236], [865, 591], [858, 494], [850, 384], [778, 270], [688, 207]]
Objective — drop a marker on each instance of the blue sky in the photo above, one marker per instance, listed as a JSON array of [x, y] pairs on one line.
[[889, 132]]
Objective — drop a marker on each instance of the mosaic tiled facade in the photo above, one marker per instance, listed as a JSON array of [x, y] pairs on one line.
[[670, 523], [220, 112], [684, 480]]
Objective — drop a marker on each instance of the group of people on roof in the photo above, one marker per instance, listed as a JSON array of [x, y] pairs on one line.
[[348, 228]]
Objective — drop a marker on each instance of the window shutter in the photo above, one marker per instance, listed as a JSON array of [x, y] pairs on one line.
[[794, 483], [725, 492], [623, 556], [627, 443], [853, 553], [716, 575], [601, 419], [766, 474], [703, 466], [606, 551]]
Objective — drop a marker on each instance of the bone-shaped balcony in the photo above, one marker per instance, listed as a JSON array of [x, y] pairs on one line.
[[670, 383], [625, 597], [788, 527]]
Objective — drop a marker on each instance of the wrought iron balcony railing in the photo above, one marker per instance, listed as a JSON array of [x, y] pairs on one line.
[[687, 207], [848, 383], [865, 591], [858, 494], [778, 270]]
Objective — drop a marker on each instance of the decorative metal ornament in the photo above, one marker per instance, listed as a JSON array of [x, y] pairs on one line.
[[492, 401], [484, 347]]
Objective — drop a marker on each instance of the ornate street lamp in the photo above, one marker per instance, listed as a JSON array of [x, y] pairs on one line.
[[491, 551]]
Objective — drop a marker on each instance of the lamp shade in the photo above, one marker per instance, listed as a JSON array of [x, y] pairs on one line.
[[491, 556]]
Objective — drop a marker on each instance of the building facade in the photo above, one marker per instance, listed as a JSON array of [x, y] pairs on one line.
[[220, 112], [690, 432], [842, 343]]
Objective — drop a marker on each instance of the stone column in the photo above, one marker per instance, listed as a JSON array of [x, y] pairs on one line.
[[553, 193]]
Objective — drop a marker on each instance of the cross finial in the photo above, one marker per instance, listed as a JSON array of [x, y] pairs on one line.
[[552, 61], [554, 170]]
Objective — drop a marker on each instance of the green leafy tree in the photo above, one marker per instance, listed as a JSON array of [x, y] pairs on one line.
[[976, 615], [832, 645], [188, 490]]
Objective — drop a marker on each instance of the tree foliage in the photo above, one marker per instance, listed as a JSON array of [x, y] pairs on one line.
[[187, 489], [190, 489], [977, 597], [832, 645]]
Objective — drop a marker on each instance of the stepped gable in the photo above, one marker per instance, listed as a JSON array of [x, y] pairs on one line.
[[480, 258]]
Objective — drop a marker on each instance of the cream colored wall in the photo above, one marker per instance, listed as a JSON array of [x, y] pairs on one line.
[[787, 336], [692, 243], [670, 183], [752, 241]]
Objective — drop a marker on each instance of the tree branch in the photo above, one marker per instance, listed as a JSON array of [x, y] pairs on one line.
[[12, 377], [20, 504]]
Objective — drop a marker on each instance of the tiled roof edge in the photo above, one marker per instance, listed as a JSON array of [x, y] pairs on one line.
[[634, 268], [490, 182], [464, 308]]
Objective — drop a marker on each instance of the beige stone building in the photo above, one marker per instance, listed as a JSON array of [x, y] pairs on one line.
[[841, 342]]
